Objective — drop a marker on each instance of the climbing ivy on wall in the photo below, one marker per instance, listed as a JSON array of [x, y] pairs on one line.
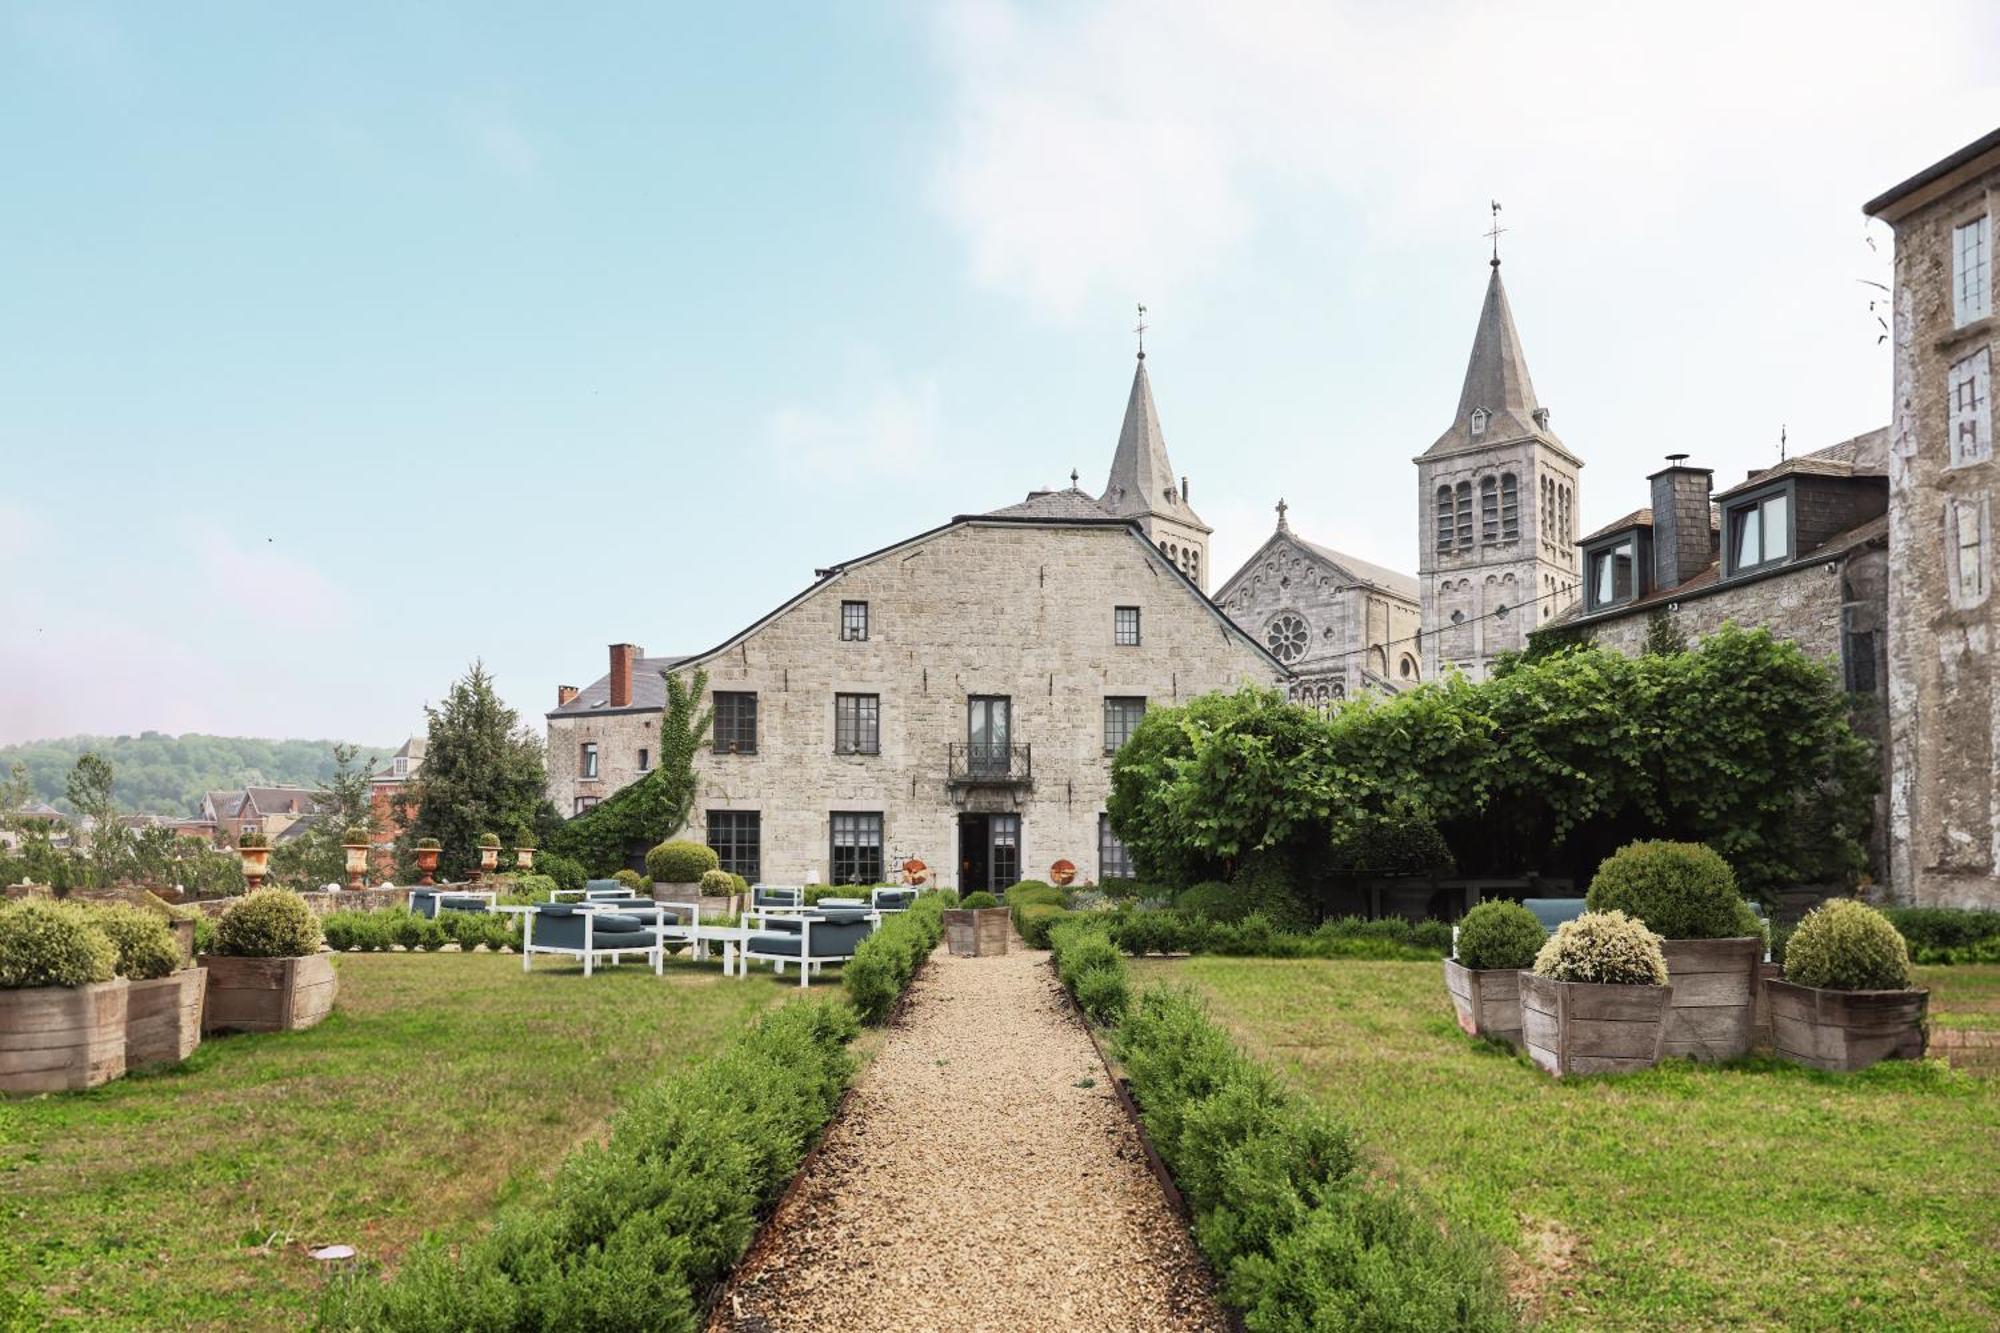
[[609, 835]]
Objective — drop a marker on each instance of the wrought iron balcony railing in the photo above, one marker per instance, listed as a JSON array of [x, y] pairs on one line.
[[985, 764]]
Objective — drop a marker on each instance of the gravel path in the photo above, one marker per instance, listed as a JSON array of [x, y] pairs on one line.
[[972, 1184]]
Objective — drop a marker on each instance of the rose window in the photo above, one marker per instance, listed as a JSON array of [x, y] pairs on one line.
[[1286, 637]]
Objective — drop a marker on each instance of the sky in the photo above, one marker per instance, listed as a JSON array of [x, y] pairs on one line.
[[341, 346]]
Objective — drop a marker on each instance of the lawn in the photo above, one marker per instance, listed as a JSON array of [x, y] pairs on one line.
[[441, 1084], [1759, 1196]]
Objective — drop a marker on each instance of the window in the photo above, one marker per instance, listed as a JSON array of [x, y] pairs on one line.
[[645, 760], [1407, 669], [857, 724], [1444, 518], [584, 803], [1760, 532], [1287, 638], [1113, 861], [1970, 408], [1612, 571], [1968, 551], [735, 722], [586, 765], [401, 766], [1125, 626], [1480, 416], [1462, 494], [1122, 716], [1489, 510], [1971, 288], [1194, 563], [853, 622], [856, 854], [1510, 508], [988, 727], [1860, 655], [737, 839]]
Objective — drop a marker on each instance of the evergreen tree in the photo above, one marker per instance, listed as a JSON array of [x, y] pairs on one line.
[[482, 773]]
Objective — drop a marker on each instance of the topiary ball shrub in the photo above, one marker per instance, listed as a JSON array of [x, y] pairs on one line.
[[980, 899], [633, 880], [270, 923], [146, 948], [1499, 934], [252, 840], [1030, 891], [490, 840], [52, 944], [679, 861], [1681, 890], [429, 845], [1606, 947], [1211, 900], [354, 836], [1265, 886], [717, 883], [1846, 945]]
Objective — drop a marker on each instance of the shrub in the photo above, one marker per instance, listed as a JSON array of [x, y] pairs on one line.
[[718, 883], [429, 845], [1163, 932], [44, 943], [634, 1232], [348, 929], [1430, 933], [1681, 890], [1847, 945], [1606, 947], [1211, 900], [355, 835], [270, 923], [468, 930], [567, 872], [1034, 921], [1942, 934], [491, 840], [252, 839], [1031, 891], [884, 962], [204, 933], [680, 862], [1499, 934], [633, 880], [1265, 886], [146, 948], [1090, 966], [979, 899]]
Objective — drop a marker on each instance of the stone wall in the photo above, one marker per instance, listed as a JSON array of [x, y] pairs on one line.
[[1020, 610]]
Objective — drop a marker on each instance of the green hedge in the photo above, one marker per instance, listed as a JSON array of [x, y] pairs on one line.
[[1174, 930], [884, 962], [1089, 965], [1034, 921], [385, 928], [1948, 934], [46, 943], [635, 1232]]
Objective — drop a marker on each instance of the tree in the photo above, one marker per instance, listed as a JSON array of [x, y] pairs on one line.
[[318, 856], [482, 773], [15, 794], [89, 789], [615, 832]]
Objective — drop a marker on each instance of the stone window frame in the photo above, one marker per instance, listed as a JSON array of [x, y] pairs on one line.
[[1480, 416], [735, 728], [1969, 378], [857, 723], [1489, 510], [859, 855], [1510, 507], [1738, 506], [1957, 509], [1114, 859], [1126, 625], [1971, 284], [853, 621], [737, 839], [585, 803], [1443, 520], [1608, 545], [586, 761], [1122, 715], [645, 760]]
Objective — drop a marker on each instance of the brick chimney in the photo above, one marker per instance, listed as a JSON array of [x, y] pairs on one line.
[[564, 693], [623, 655], [1682, 542]]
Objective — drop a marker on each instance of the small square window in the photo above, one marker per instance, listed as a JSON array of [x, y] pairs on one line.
[[584, 803], [853, 622], [1125, 627], [735, 722]]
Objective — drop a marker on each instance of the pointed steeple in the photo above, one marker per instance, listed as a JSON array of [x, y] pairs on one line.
[[1498, 401], [1142, 478]]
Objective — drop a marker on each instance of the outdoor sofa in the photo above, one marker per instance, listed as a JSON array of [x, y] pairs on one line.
[[429, 902], [581, 930], [810, 940]]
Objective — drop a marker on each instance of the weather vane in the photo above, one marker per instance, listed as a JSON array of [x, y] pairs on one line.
[[1495, 234], [1141, 331]]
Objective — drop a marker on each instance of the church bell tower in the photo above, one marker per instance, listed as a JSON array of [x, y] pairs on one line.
[[1142, 484]]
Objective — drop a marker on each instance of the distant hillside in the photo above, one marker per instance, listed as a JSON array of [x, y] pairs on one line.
[[166, 775]]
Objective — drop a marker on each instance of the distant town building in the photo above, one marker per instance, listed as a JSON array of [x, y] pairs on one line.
[[388, 797], [266, 810], [1944, 620]]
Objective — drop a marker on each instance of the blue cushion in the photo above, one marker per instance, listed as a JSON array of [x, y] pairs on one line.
[[787, 945]]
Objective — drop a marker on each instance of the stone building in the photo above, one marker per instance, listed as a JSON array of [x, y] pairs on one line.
[[1496, 511], [955, 697], [1341, 624], [1801, 549], [1944, 700]]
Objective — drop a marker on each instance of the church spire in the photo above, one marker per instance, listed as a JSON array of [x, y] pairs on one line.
[[1498, 401], [1142, 477]]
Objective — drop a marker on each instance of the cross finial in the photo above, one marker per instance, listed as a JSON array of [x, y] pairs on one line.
[[1072, 478], [1495, 234], [1141, 331], [1282, 507]]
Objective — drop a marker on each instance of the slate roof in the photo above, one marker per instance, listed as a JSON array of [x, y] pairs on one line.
[[1379, 576], [1638, 518], [1866, 455], [297, 828], [278, 800], [225, 804], [649, 691], [1142, 478], [1069, 504], [1496, 378]]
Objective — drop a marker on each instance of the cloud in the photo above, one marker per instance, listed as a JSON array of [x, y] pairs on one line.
[[889, 428]]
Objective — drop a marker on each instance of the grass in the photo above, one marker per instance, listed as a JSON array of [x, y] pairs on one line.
[[1754, 1196], [441, 1084], [1964, 997]]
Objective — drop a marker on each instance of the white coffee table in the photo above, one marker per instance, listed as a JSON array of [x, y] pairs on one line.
[[731, 938]]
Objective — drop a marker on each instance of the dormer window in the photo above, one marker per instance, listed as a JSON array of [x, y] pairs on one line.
[[1759, 531], [1480, 416], [1614, 573]]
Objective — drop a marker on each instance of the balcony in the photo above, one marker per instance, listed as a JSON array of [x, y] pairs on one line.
[[990, 765]]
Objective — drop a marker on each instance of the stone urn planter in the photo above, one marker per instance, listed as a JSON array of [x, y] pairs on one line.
[[1846, 1030], [1713, 1014], [357, 864], [62, 1038], [163, 1018], [1487, 1000], [267, 994], [524, 858], [976, 932], [427, 864], [489, 857], [1590, 1027], [256, 864]]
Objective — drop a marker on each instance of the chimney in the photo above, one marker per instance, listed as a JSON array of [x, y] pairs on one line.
[[1184, 490], [1682, 546], [622, 657], [564, 693]]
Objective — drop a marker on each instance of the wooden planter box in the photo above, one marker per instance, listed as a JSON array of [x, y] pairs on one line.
[[1766, 974], [1488, 1000], [1587, 1027], [1713, 1015], [62, 1038], [976, 932], [163, 1018], [267, 994], [1845, 1030]]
